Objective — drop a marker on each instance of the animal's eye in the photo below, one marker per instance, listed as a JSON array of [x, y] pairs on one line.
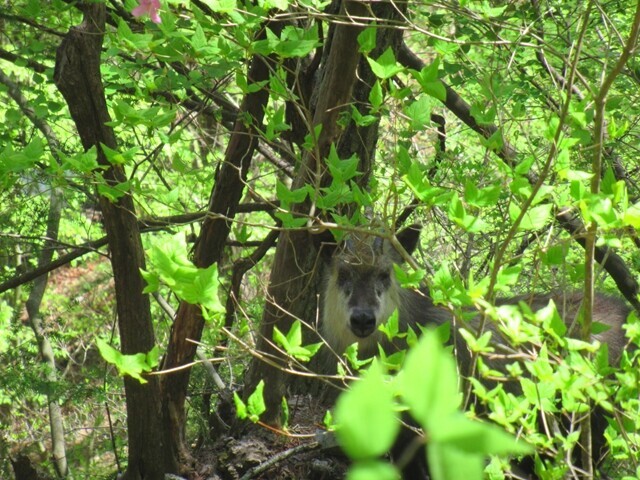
[[384, 278], [382, 283], [344, 277]]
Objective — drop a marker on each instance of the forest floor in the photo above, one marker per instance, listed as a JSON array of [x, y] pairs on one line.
[[304, 451], [77, 309]]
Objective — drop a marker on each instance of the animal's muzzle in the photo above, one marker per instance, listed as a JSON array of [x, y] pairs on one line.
[[363, 322]]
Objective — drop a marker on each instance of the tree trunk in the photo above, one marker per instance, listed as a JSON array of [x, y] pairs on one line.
[[58, 447], [77, 76], [294, 283], [58, 444], [226, 195]]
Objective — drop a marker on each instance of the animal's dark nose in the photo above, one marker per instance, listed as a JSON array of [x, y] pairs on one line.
[[363, 322]]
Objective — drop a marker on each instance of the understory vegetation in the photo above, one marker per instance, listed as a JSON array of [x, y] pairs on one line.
[[167, 168]]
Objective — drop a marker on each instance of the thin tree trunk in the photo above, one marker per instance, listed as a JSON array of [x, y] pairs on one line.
[[58, 447], [77, 76], [223, 205], [35, 322], [293, 284]]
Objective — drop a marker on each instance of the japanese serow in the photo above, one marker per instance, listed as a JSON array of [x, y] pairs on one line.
[[361, 292]]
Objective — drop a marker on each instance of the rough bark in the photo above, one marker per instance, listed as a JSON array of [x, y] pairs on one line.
[[77, 76], [223, 205], [293, 284]]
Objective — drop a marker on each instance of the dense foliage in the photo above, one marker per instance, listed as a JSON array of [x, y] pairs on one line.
[[231, 131]]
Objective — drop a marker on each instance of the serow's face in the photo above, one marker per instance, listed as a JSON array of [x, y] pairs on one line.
[[364, 291], [360, 291]]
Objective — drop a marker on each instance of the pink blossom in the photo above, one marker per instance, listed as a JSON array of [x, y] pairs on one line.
[[148, 7]]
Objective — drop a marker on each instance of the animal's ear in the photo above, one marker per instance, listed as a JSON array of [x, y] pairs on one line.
[[325, 244], [409, 237]]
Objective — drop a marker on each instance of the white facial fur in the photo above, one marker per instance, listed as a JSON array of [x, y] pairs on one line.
[[360, 281]]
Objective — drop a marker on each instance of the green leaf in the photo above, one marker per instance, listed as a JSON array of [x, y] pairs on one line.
[[133, 365], [483, 114], [6, 313], [351, 354], [241, 407], [367, 39], [365, 415], [118, 158], [409, 279], [446, 462], [293, 42], [534, 218], [290, 221], [390, 328], [342, 170], [170, 265], [631, 216], [278, 4], [15, 162], [115, 192], [434, 396], [221, 6], [375, 96], [284, 410], [373, 470], [292, 342], [419, 113], [483, 197], [551, 320], [473, 436], [419, 185], [458, 214], [385, 66], [288, 197], [429, 80], [555, 255], [255, 403], [81, 162]]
